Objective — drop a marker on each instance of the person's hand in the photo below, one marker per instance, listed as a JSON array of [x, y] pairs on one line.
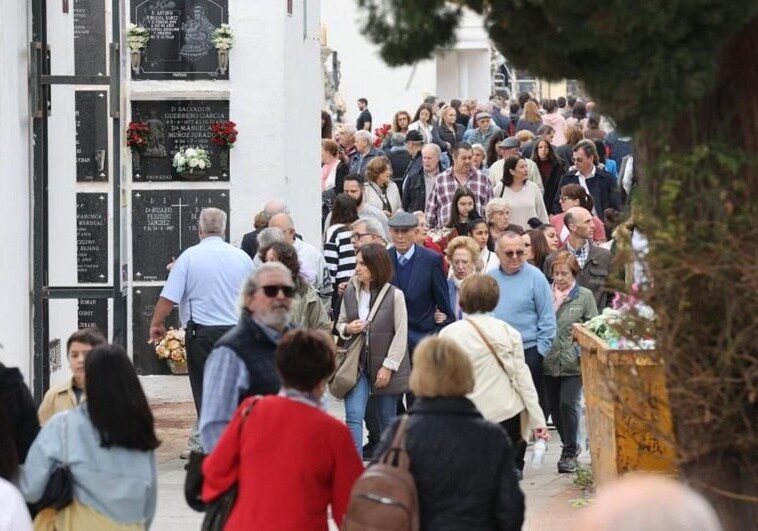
[[355, 327], [383, 378], [341, 287], [439, 317], [171, 264], [157, 332], [542, 433]]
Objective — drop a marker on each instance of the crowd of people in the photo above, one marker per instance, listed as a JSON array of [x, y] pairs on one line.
[[458, 251]]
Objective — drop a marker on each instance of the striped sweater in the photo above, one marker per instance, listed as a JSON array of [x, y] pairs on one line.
[[339, 253]]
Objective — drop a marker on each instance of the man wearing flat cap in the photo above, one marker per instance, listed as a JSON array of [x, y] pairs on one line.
[[509, 147], [418, 273], [483, 129]]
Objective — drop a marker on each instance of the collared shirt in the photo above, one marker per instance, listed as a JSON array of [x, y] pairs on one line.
[[62, 397], [407, 254], [205, 282], [225, 380], [304, 398], [582, 254], [440, 203], [583, 184]]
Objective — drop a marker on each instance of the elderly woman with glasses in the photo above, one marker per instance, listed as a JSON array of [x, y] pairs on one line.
[[384, 366], [498, 214], [463, 255]]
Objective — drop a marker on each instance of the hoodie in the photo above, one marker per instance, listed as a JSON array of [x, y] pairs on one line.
[[19, 409], [557, 122]]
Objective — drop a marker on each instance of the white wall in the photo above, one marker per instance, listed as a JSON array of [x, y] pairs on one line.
[[364, 73], [15, 186]]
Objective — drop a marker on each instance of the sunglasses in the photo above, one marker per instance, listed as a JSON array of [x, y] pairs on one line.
[[512, 254], [274, 289]]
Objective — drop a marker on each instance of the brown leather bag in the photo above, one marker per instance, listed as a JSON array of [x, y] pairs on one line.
[[385, 497]]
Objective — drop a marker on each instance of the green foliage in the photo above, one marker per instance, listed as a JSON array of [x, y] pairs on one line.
[[643, 60], [584, 477]]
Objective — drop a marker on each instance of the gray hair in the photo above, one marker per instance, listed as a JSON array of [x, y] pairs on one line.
[[212, 221], [275, 206], [373, 226], [269, 235], [498, 204], [507, 235], [479, 147], [252, 282], [365, 135], [397, 139], [348, 130], [433, 147]]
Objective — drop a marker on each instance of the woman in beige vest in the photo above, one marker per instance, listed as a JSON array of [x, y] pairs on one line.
[[384, 365]]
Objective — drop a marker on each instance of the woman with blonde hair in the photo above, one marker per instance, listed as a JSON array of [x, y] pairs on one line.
[[498, 215], [477, 487], [503, 391], [380, 190], [531, 120], [463, 255]]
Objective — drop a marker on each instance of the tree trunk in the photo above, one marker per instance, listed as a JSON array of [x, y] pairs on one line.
[[700, 183]]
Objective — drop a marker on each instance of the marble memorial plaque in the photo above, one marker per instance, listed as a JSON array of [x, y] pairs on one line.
[[92, 237], [91, 135], [177, 124], [89, 37], [180, 44], [93, 312], [143, 304], [164, 223]]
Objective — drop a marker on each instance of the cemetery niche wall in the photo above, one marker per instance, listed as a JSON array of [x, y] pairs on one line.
[[177, 124], [180, 44]]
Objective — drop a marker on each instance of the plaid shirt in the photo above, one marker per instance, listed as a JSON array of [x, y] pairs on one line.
[[581, 254], [441, 200]]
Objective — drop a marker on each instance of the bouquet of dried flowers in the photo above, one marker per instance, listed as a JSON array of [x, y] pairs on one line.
[[172, 346]]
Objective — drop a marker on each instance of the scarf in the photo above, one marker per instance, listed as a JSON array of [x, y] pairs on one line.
[[559, 296]]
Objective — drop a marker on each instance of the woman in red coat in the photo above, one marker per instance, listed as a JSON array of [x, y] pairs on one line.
[[290, 458]]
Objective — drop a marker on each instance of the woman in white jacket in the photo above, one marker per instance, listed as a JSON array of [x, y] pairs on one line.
[[503, 389]]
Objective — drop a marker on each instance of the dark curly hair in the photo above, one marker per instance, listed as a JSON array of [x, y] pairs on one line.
[[286, 255]]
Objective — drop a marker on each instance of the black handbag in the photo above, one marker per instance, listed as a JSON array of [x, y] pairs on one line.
[[218, 510], [59, 491]]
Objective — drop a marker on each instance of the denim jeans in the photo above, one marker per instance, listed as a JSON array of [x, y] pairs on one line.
[[355, 409]]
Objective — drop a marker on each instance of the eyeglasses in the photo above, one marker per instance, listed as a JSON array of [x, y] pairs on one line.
[[566, 198], [274, 289], [461, 263], [359, 235], [512, 254]]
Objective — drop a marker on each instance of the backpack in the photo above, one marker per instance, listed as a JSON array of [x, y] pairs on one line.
[[385, 496]]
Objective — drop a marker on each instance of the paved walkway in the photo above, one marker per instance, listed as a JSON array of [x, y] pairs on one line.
[[548, 494]]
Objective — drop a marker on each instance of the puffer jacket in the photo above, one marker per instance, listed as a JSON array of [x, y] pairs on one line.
[[563, 359], [463, 466]]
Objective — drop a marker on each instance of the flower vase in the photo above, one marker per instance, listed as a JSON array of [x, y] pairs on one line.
[[136, 59], [178, 367], [224, 162], [136, 163], [223, 60]]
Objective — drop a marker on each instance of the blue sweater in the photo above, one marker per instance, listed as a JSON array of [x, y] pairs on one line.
[[526, 303]]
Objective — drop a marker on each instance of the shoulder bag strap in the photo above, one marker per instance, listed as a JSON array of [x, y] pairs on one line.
[[378, 302], [396, 455], [492, 350]]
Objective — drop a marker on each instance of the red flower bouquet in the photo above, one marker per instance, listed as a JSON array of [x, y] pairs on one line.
[[381, 134], [224, 134], [137, 135]]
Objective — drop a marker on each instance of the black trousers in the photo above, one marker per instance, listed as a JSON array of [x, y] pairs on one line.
[[512, 427], [563, 396], [534, 361], [199, 340]]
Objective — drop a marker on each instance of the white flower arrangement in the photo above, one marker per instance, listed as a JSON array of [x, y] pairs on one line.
[[191, 159], [223, 37], [137, 37]]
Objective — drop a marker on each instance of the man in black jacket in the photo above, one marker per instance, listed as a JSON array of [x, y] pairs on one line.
[[600, 184], [413, 143], [399, 157], [418, 186]]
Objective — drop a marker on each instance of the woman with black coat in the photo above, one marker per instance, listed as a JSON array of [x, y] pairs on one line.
[[463, 465], [450, 132], [551, 169]]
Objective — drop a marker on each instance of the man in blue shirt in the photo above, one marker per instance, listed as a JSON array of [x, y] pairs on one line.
[[204, 281], [526, 303]]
